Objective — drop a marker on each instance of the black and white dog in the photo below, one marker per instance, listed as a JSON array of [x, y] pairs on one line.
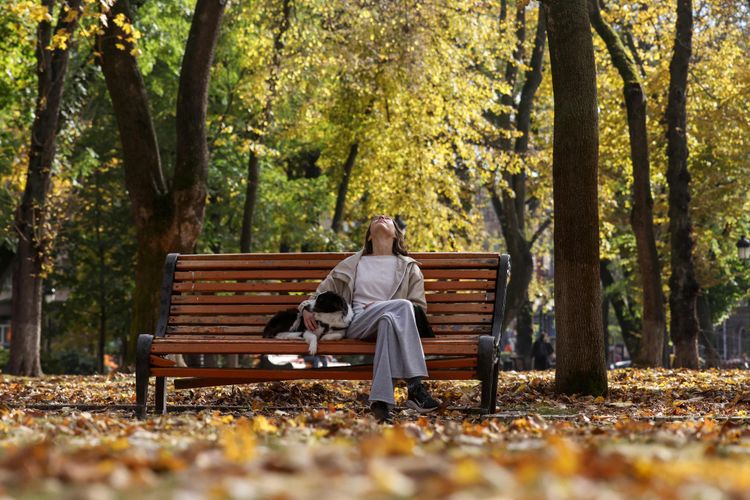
[[331, 312]]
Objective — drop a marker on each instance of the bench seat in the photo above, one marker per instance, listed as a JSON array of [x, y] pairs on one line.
[[240, 344]]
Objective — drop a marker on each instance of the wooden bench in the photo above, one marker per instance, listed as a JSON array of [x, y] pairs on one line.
[[219, 304]]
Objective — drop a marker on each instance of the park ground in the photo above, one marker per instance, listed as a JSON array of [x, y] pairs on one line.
[[659, 434]]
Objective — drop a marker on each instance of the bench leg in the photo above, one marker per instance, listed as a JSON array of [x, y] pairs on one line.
[[160, 401], [142, 353], [487, 370], [495, 375]]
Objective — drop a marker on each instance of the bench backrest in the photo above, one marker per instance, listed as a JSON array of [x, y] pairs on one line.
[[236, 294]]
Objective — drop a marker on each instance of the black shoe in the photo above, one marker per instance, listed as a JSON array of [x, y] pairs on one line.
[[420, 400], [381, 412]]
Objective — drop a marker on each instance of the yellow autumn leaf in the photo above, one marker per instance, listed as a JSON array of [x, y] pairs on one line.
[[260, 425], [238, 441], [120, 444], [393, 441], [466, 472], [71, 16], [567, 461], [390, 480], [120, 20]]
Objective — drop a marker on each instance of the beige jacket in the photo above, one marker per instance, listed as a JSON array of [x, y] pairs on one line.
[[341, 280]]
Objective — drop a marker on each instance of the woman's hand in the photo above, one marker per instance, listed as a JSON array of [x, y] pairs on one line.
[[309, 319]]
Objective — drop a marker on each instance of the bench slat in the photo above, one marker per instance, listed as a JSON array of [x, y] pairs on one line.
[[274, 308], [213, 345], [459, 285], [257, 330], [291, 286], [269, 375], [317, 274], [311, 286], [327, 264], [457, 319], [334, 256], [219, 320], [296, 299]]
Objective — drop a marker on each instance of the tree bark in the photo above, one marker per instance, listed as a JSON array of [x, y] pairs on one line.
[[605, 324], [251, 197], [683, 286], [32, 214], [102, 269], [253, 164], [707, 334], [165, 220], [525, 266], [530, 86], [629, 328], [580, 360], [641, 217], [338, 214]]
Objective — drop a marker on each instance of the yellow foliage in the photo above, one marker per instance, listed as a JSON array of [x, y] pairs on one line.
[[59, 40]]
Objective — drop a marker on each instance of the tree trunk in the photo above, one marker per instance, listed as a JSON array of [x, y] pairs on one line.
[[683, 286], [251, 196], [641, 217], [605, 325], [191, 166], [102, 269], [525, 265], [144, 179], [166, 221], [32, 216], [629, 328], [530, 86], [707, 335], [510, 208], [338, 214], [580, 359]]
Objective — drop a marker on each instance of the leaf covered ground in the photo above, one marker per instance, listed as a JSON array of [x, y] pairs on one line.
[[659, 434]]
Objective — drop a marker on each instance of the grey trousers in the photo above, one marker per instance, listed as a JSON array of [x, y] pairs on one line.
[[398, 349]]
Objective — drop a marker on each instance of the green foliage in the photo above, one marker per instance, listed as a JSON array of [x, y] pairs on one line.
[[69, 362], [4, 357], [96, 251], [17, 97]]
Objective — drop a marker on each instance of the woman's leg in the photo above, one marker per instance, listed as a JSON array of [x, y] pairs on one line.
[[398, 349]]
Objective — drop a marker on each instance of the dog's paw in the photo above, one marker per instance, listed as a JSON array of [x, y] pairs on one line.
[[313, 349]]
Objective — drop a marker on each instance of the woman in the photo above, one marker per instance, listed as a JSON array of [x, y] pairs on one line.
[[383, 284]]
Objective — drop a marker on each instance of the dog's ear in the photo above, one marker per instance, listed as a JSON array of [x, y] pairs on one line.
[[343, 306]]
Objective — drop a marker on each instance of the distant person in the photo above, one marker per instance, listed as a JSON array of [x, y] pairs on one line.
[[541, 350]]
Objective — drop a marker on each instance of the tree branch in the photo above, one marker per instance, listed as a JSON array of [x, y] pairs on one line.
[[544, 225]]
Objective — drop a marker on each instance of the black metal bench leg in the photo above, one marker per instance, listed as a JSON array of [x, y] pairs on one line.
[[160, 401], [487, 371], [495, 375], [142, 353]]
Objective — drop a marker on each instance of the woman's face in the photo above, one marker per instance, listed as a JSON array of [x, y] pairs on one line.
[[382, 225]]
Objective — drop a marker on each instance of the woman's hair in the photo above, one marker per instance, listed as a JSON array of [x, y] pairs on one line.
[[399, 245]]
